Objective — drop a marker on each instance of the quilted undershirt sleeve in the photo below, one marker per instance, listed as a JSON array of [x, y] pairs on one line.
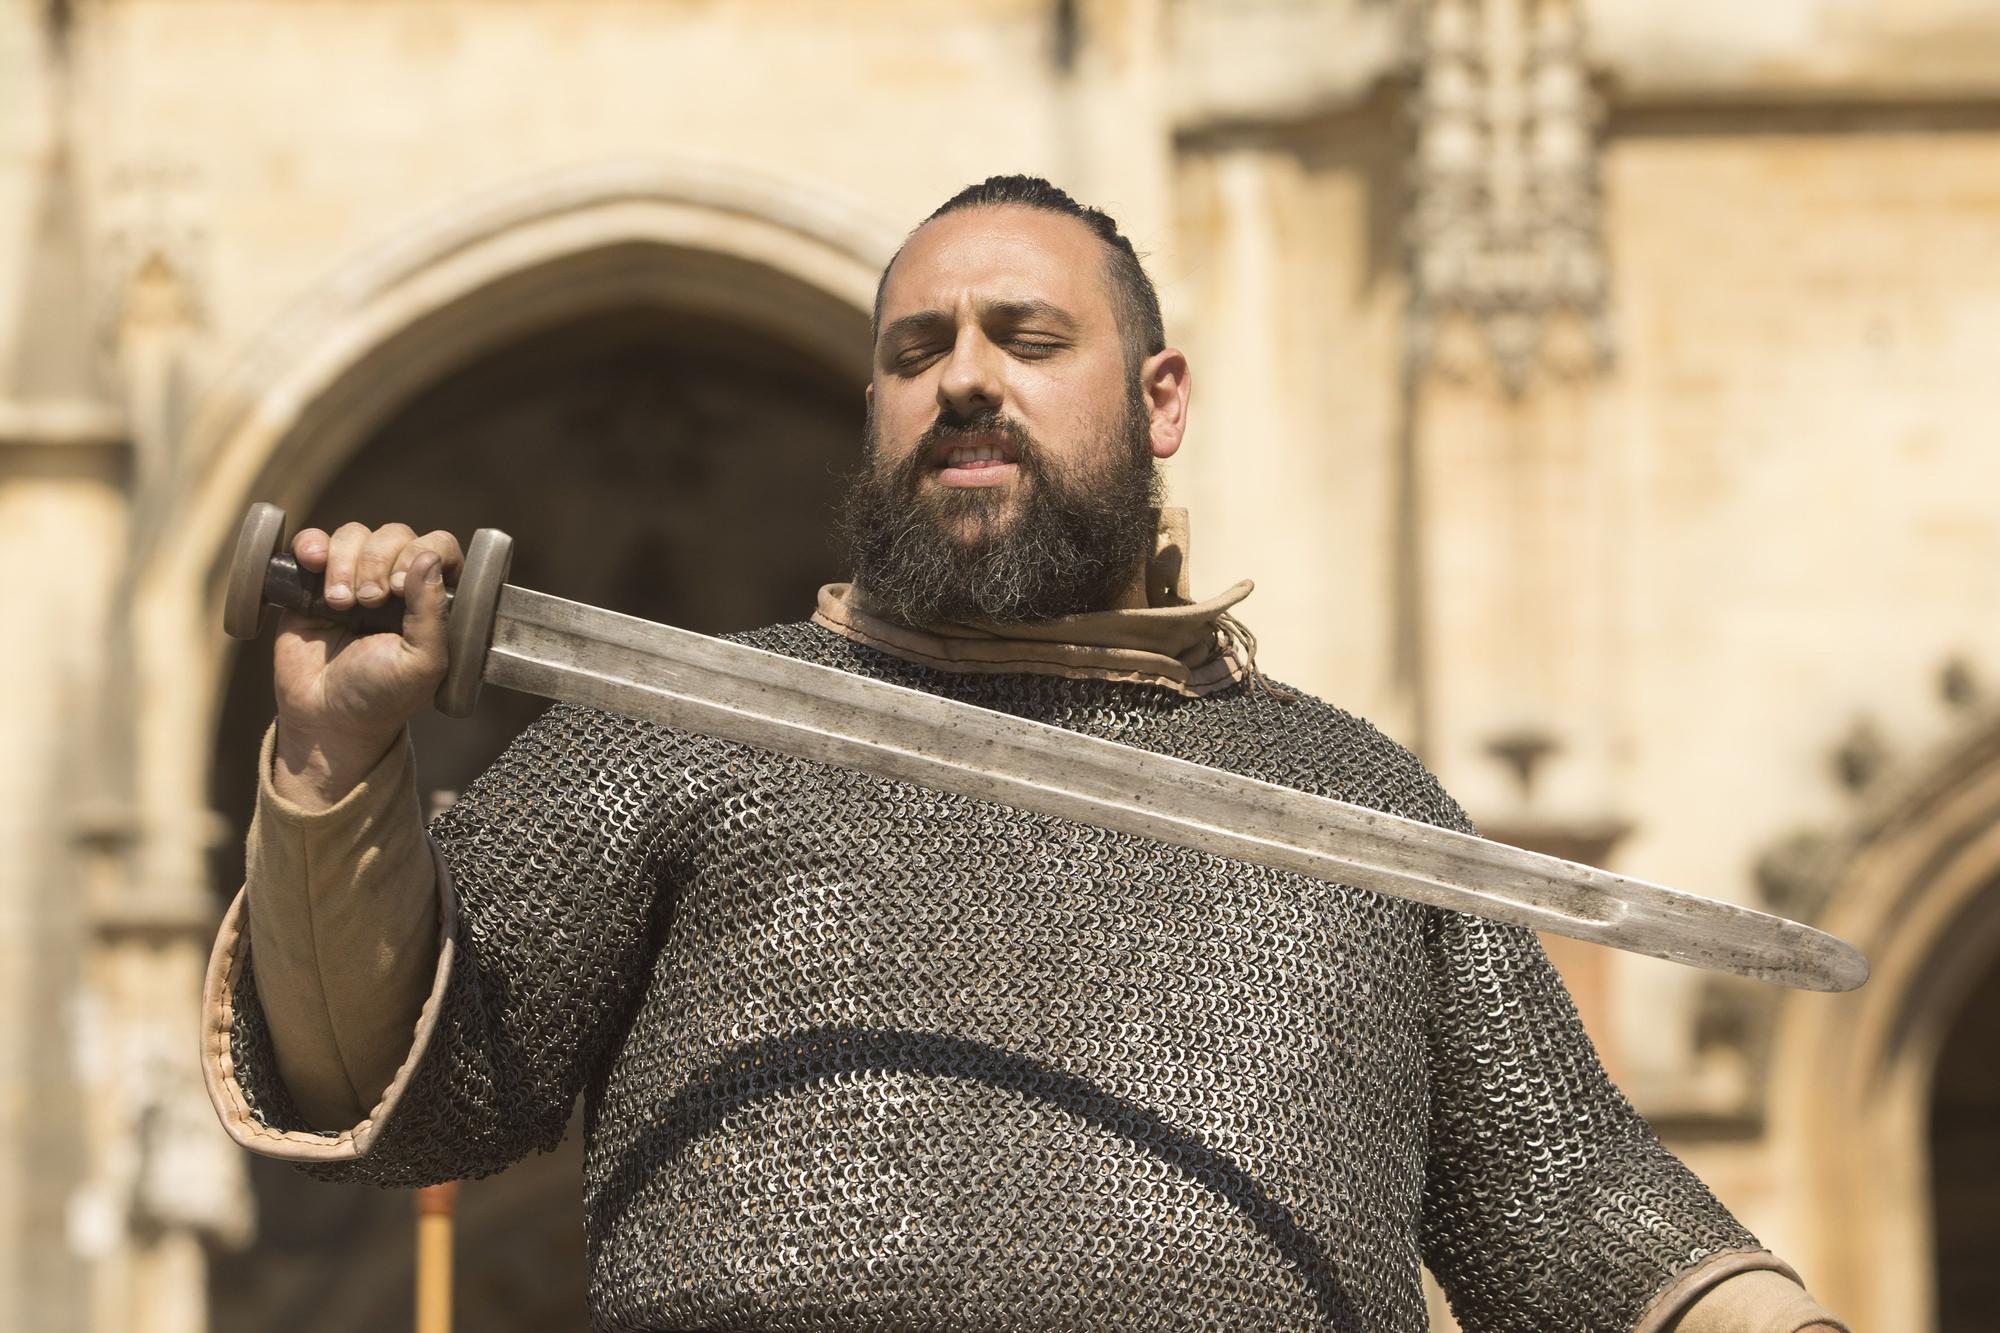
[[343, 922], [1754, 1301]]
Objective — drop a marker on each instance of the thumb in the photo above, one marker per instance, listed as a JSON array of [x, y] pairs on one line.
[[424, 606]]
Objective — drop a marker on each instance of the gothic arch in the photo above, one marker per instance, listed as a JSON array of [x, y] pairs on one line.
[[772, 256], [1916, 885], [441, 292]]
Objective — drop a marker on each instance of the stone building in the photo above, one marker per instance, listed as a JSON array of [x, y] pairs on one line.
[[1600, 392]]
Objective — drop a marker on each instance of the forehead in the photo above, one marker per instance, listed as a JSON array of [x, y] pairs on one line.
[[1000, 253]]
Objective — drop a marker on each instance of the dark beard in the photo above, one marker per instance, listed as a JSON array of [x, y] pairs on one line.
[[1075, 544]]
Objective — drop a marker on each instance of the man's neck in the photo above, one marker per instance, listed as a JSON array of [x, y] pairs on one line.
[[1134, 596]]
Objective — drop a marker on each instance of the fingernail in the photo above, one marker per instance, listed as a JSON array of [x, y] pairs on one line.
[[369, 592], [336, 590], [397, 580], [435, 573]]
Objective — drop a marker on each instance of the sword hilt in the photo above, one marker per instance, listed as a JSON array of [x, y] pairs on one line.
[[263, 573]]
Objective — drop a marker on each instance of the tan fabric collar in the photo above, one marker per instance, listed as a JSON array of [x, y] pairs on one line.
[[1194, 648]]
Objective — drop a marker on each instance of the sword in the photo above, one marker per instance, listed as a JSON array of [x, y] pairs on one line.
[[525, 640]]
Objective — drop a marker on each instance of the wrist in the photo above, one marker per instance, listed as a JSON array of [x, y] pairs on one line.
[[315, 768]]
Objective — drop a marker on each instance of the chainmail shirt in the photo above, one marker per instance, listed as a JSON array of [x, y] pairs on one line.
[[858, 1055]]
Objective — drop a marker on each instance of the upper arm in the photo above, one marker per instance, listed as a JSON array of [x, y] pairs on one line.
[[1548, 1200]]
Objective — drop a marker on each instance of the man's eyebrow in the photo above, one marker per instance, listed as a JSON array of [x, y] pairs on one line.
[[1021, 311], [910, 326], [1030, 309]]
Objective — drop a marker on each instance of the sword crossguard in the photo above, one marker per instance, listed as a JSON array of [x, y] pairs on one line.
[[263, 573]]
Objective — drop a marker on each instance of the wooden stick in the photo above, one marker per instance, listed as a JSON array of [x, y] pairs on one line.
[[434, 1209]]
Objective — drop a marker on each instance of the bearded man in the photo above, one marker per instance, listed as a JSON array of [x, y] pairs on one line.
[[861, 1055]]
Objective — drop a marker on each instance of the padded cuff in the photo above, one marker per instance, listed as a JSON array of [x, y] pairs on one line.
[[218, 1016]]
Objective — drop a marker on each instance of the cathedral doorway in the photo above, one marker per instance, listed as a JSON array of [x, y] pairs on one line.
[[673, 465], [1965, 1163], [1886, 1101]]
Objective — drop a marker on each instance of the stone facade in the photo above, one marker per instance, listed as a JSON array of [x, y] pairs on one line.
[[1598, 391]]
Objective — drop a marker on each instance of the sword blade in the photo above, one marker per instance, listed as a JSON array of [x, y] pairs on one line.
[[567, 650]]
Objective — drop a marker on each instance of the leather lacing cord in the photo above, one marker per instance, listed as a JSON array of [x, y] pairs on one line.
[[1235, 639]]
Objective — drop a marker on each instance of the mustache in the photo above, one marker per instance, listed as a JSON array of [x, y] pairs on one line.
[[987, 421]]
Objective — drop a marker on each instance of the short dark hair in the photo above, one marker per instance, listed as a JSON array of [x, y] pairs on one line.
[[1133, 298]]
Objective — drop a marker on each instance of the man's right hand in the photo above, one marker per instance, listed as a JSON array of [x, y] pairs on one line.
[[344, 698]]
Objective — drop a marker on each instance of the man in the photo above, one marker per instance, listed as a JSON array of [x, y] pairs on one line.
[[859, 1055]]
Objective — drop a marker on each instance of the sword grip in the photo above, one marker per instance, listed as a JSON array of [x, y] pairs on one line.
[[262, 573], [292, 588]]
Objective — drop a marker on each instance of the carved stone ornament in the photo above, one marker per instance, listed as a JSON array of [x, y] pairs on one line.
[[153, 312], [1505, 230], [1797, 871], [153, 253]]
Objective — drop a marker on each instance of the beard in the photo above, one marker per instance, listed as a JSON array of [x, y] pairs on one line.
[[1076, 536]]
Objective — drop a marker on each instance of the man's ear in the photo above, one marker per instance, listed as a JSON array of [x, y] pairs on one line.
[[1163, 380]]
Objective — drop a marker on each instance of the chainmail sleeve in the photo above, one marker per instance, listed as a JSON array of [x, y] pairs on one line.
[[1548, 1201], [553, 855]]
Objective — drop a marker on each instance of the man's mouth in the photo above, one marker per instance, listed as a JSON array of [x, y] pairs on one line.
[[986, 460]]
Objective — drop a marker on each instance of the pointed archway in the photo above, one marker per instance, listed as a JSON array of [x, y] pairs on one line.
[[1856, 1079], [1965, 1162]]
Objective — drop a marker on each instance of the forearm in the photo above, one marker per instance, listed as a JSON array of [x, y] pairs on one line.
[[542, 939], [343, 926]]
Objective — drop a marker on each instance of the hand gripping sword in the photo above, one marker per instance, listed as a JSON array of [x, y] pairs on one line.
[[525, 640]]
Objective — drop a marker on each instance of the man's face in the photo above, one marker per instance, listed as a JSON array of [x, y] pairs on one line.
[[1010, 470]]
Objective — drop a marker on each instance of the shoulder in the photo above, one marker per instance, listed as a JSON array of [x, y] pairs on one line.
[[576, 751], [810, 641], [1329, 751], [571, 740], [582, 733]]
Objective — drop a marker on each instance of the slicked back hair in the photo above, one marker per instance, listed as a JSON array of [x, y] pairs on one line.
[[1133, 298]]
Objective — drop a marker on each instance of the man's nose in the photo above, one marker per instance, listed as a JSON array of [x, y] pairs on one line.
[[970, 381]]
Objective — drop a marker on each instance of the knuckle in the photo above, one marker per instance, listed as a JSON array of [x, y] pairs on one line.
[[388, 542], [383, 546]]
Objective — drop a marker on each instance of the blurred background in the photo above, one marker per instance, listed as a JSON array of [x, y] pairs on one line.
[[1601, 392]]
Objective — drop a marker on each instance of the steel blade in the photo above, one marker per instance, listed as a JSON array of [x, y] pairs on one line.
[[567, 650]]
